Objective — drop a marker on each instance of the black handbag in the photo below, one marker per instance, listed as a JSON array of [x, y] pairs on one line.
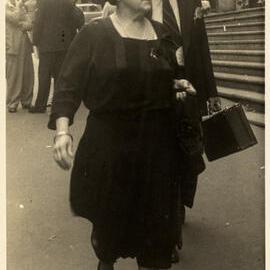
[[226, 132]]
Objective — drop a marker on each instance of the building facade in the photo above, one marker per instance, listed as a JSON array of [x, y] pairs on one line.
[[236, 34], [230, 5]]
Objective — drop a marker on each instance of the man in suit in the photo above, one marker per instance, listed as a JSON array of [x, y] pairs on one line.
[[184, 21], [55, 26]]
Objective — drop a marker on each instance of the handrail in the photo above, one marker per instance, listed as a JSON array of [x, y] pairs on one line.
[[90, 7], [87, 5]]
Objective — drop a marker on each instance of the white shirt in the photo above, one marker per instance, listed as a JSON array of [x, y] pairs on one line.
[[157, 11]]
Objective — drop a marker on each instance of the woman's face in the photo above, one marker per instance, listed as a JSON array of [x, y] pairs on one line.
[[138, 6]]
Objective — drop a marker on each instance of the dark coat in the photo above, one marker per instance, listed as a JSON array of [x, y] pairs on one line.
[[198, 66], [56, 25], [198, 70]]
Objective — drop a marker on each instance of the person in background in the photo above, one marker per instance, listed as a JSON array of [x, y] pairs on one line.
[[19, 63], [185, 17], [184, 20], [55, 26]]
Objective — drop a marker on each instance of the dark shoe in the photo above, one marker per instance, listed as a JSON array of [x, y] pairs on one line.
[[175, 256], [12, 110], [104, 266], [26, 106], [34, 109]]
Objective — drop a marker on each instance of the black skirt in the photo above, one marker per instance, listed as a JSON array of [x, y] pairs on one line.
[[125, 180]]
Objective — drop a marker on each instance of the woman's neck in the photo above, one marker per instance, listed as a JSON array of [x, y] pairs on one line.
[[132, 24], [127, 16]]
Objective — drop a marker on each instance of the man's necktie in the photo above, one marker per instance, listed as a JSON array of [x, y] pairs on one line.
[[170, 22]]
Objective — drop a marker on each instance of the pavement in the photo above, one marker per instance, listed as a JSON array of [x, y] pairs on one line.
[[224, 230]]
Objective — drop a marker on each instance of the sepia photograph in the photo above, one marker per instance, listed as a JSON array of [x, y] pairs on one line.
[[134, 134]]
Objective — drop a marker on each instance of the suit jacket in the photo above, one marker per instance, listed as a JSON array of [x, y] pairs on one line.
[[56, 24], [198, 66]]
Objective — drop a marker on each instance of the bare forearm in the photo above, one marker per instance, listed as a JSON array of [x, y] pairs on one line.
[[62, 124]]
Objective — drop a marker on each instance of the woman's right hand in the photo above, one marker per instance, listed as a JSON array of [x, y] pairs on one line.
[[63, 153]]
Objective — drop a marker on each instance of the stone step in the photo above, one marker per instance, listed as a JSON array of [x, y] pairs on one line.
[[245, 82], [238, 55], [236, 27], [237, 44], [237, 67], [235, 19], [254, 117], [243, 95], [245, 35], [235, 13]]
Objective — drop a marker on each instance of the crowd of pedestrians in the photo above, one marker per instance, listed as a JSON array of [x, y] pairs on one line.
[[19, 63], [46, 27]]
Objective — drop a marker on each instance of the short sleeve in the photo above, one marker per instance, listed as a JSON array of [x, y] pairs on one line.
[[73, 78], [168, 48]]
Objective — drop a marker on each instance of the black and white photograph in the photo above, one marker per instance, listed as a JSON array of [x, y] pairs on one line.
[[134, 135]]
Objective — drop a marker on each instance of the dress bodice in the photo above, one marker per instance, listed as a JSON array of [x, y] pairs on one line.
[[112, 74]]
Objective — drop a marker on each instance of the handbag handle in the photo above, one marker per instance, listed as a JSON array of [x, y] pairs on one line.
[[226, 108]]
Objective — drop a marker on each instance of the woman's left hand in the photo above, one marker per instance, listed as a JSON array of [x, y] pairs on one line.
[[184, 88]]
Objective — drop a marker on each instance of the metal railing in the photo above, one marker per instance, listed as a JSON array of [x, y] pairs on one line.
[[90, 7], [90, 11]]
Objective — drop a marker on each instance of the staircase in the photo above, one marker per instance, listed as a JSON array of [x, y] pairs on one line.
[[236, 41]]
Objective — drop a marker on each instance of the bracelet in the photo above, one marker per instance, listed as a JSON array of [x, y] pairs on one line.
[[61, 133]]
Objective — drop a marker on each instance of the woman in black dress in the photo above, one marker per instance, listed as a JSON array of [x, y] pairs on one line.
[[126, 172]]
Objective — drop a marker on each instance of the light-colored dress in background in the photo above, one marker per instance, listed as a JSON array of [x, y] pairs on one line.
[[19, 63]]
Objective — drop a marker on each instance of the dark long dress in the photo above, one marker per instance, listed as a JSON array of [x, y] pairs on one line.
[[125, 178]]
